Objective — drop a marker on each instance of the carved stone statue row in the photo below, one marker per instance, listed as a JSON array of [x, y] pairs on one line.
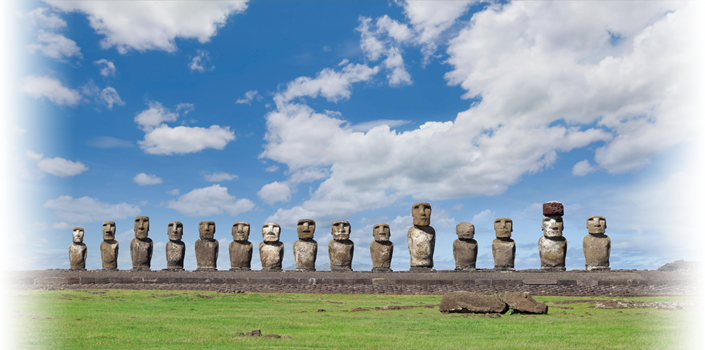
[[421, 239]]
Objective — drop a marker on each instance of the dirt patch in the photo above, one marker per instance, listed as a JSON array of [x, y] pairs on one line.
[[391, 307]]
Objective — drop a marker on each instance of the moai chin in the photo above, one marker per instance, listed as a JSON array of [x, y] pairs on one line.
[[271, 251], [596, 245], [465, 247], [141, 247], [109, 247], [341, 248], [381, 249], [77, 250], [421, 238], [240, 248], [305, 248], [552, 245], [206, 247], [503, 247], [175, 248]]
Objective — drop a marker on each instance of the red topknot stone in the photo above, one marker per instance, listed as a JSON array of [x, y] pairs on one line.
[[553, 208]]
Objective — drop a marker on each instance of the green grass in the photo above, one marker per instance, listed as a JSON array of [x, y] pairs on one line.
[[132, 319]]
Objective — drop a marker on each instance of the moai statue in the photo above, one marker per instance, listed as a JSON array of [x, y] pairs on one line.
[[175, 248], [206, 247], [552, 245], [109, 247], [465, 247], [421, 238], [341, 248], [240, 248], [77, 250], [305, 248], [381, 249], [141, 247], [503, 247], [596, 245], [271, 251]]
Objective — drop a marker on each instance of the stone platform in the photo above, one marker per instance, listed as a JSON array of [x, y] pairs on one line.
[[536, 282]]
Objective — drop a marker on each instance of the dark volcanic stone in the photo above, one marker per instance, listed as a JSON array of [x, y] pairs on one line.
[[465, 302], [524, 303], [553, 208]]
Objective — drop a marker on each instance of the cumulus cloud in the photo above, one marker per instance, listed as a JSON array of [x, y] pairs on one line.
[[275, 192], [209, 201], [110, 97], [484, 217], [143, 179], [583, 168], [43, 17], [384, 38], [57, 166], [144, 25], [55, 46], [107, 67], [331, 84], [366, 126], [201, 62], [86, 209], [249, 96], [219, 176], [51, 89]]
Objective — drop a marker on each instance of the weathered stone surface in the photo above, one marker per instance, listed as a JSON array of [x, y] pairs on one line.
[[240, 248], [467, 302], [552, 252], [503, 251], [503, 227], [109, 247], [524, 303], [421, 213], [553, 208], [305, 248], [271, 251], [596, 245], [175, 248], [465, 247], [341, 248], [552, 226], [141, 247], [421, 241], [381, 248], [206, 247], [77, 250]]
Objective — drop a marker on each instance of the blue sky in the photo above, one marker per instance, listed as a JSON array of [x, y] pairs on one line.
[[278, 111]]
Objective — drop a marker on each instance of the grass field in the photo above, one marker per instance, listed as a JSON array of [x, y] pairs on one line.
[[131, 319]]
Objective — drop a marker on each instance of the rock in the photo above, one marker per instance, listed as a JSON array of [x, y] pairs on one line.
[[275, 336], [341, 248], [596, 245], [305, 248], [77, 250], [465, 247], [254, 333], [465, 302], [552, 245], [287, 336], [381, 248], [681, 265], [524, 303], [271, 250], [109, 247], [553, 208], [421, 237], [175, 248], [240, 248], [141, 247], [207, 247]]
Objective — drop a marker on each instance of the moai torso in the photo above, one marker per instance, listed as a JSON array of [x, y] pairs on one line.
[[596, 245], [141, 247], [271, 251], [341, 248], [206, 247], [109, 247], [503, 247], [421, 238], [305, 248], [465, 247], [381, 248], [175, 248], [552, 245], [240, 248], [77, 250]]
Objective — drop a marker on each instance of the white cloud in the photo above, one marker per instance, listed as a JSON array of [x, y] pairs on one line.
[[209, 201], [110, 97], [42, 17], [174, 192], [271, 168], [583, 168], [185, 108], [330, 84], [484, 217], [201, 62], [144, 25], [275, 192], [143, 179], [108, 67], [374, 45], [55, 46], [366, 126], [249, 96], [57, 166], [86, 209], [61, 226], [219, 176], [154, 116], [50, 88], [109, 142]]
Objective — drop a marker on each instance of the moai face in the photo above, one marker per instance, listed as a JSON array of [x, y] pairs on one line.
[[421, 212], [141, 227], [305, 228], [108, 230], [381, 233], [206, 229], [270, 232], [175, 231], [596, 225], [340, 230], [465, 230], [503, 228], [77, 235], [241, 231], [552, 226]]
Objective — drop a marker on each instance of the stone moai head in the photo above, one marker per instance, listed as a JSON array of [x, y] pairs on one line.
[[270, 232], [77, 235], [596, 225], [305, 228], [108, 230], [141, 227], [206, 229], [340, 230], [552, 224], [465, 230], [503, 227], [421, 212], [381, 233], [175, 231], [241, 231]]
